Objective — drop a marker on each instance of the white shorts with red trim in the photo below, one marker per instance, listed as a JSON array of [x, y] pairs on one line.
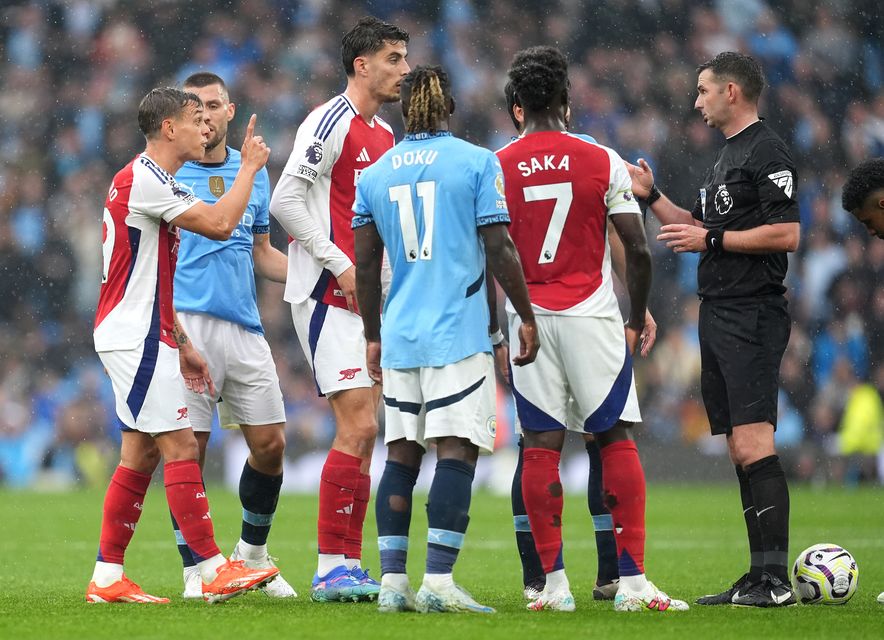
[[582, 378], [148, 387], [333, 340], [456, 400]]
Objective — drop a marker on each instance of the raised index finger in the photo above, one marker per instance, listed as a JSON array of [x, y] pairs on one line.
[[250, 130]]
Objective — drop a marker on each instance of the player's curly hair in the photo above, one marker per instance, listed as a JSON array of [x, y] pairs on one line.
[[426, 94], [538, 76], [866, 177], [739, 68], [160, 104]]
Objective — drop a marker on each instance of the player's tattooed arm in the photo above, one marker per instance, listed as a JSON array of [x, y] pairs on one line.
[[179, 335]]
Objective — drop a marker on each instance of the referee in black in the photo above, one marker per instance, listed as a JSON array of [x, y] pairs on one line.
[[744, 220]]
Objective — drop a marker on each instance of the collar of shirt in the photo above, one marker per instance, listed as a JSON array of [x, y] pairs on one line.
[[425, 135]]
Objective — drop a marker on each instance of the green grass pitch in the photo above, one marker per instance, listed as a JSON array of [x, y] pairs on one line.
[[695, 545]]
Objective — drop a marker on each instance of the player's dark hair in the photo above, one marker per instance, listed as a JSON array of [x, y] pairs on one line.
[[739, 68], [426, 99], [162, 103], [866, 177], [511, 101], [368, 36], [539, 76], [204, 79]]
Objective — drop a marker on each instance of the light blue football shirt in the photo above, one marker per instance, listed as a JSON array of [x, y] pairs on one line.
[[427, 197], [217, 277]]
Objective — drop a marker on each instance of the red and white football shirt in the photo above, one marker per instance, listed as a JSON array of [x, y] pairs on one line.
[[560, 189], [332, 147], [140, 248]]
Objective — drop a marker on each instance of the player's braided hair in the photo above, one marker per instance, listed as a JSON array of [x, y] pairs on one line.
[[538, 75], [865, 178], [428, 93]]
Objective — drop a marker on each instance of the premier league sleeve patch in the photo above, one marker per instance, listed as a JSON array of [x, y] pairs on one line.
[[314, 153]]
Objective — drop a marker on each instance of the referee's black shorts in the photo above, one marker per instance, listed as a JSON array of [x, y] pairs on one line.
[[742, 342]]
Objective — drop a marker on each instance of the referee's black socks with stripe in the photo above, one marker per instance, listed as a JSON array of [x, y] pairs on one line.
[[770, 495], [756, 549]]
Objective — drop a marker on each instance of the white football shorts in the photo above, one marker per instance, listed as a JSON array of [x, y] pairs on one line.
[[457, 400], [242, 368], [333, 341], [582, 378], [148, 387]]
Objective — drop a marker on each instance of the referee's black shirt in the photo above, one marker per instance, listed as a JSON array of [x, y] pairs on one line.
[[751, 183]]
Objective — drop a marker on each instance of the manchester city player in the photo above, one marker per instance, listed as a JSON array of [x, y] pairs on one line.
[[216, 301], [436, 203]]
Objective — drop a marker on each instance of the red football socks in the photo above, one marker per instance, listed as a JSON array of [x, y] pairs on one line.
[[337, 487], [123, 503], [190, 507], [624, 492], [542, 493], [353, 539]]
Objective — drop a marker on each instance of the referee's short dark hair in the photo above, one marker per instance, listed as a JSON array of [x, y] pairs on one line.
[[866, 177], [739, 68], [368, 36], [162, 103]]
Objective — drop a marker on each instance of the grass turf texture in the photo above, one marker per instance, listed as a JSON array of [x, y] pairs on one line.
[[695, 546]]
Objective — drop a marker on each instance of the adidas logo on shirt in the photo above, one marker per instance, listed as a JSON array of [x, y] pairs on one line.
[[363, 156]]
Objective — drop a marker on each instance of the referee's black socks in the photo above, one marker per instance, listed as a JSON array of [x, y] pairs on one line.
[[771, 497], [753, 531]]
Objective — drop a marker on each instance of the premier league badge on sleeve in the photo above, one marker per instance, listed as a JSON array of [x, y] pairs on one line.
[[314, 153], [216, 186]]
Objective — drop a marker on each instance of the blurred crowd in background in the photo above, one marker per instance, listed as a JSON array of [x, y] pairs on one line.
[[72, 73]]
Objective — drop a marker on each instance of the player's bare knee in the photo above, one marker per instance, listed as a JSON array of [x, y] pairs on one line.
[[144, 461], [619, 432], [270, 451], [178, 449], [359, 436]]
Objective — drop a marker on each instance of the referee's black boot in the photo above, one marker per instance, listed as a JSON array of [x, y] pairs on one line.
[[726, 596], [770, 592]]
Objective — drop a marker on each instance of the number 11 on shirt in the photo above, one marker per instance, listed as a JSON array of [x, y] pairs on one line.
[[401, 195]]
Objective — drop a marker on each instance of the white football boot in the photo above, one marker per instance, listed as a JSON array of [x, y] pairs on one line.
[[649, 599], [276, 588]]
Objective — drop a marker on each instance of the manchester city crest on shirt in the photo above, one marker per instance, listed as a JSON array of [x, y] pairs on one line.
[[491, 425], [216, 186], [314, 153], [723, 200]]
